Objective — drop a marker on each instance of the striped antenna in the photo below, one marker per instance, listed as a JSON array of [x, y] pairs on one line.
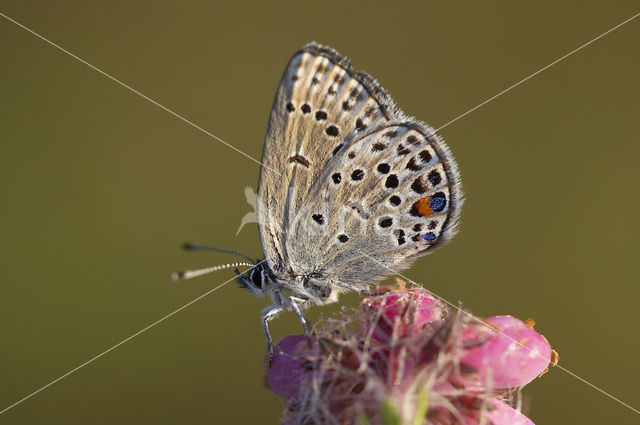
[[188, 274], [196, 247]]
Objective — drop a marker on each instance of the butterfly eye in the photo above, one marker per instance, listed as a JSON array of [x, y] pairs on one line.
[[256, 278]]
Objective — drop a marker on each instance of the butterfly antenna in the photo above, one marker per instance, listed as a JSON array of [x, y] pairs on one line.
[[189, 274], [195, 247]]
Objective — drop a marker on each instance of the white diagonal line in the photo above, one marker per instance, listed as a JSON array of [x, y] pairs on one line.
[[175, 114], [532, 75], [121, 342], [538, 72], [506, 336], [253, 159]]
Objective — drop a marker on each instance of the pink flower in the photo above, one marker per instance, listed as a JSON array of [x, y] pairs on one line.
[[405, 354], [413, 309], [288, 370], [511, 354]]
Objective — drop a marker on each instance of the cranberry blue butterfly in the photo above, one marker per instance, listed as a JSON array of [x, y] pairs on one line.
[[351, 189]]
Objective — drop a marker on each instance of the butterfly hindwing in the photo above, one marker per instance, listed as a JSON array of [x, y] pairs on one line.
[[361, 187], [396, 199]]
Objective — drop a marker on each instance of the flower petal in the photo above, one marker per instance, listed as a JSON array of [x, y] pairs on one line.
[[287, 373], [408, 312], [512, 353]]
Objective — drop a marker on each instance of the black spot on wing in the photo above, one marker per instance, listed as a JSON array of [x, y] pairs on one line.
[[377, 147], [402, 150], [386, 222], [412, 140], [434, 177], [357, 175], [318, 218], [412, 165], [383, 168], [299, 159], [392, 182], [395, 200], [332, 130], [419, 186], [425, 156]]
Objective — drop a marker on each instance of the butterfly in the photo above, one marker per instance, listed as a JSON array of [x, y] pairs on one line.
[[351, 189]]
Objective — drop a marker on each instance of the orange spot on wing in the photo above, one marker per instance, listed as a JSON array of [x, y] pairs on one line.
[[424, 208]]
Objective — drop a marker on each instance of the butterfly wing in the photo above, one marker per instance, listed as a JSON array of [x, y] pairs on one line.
[[310, 119], [349, 185], [398, 198]]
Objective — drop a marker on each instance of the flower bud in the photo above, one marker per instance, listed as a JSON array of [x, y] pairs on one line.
[[508, 353], [288, 370]]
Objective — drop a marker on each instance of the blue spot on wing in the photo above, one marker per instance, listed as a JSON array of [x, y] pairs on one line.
[[437, 202], [429, 236]]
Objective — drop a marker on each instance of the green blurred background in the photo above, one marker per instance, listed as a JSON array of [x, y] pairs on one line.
[[99, 187]]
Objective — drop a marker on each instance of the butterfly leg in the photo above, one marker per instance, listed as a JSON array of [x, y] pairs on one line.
[[267, 314], [295, 306]]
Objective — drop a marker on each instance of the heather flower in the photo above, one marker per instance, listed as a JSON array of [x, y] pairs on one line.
[[404, 357]]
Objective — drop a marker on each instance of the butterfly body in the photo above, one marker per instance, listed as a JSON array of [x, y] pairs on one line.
[[351, 189]]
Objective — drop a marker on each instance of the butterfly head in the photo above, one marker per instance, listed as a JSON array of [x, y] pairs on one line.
[[256, 280]]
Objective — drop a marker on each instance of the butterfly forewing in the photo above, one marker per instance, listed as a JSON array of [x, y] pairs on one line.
[[361, 187], [311, 120]]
